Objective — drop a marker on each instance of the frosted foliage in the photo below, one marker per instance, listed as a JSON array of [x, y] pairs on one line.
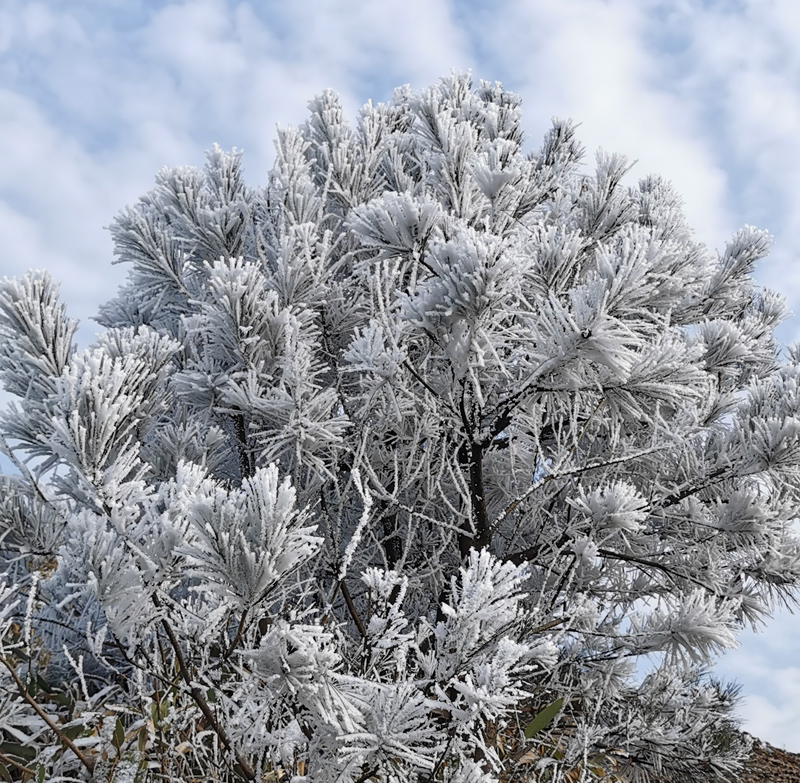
[[246, 541], [423, 443]]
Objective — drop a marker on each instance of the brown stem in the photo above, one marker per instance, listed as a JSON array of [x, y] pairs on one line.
[[242, 768], [19, 766], [237, 638], [392, 543], [87, 761], [471, 454], [367, 775], [348, 599]]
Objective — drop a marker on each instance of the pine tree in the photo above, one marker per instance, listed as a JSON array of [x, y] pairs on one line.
[[394, 469]]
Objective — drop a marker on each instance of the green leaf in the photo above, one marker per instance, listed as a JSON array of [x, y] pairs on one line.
[[60, 698], [4, 773], [543, 719], [73, 732], [20, 751], [142, 739], [42, 684], [40, 773], [119, 735]]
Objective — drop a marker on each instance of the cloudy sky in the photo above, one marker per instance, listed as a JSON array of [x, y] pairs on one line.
[[97, 95]]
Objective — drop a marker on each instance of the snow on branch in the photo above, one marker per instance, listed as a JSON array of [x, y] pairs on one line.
[[393, 467]]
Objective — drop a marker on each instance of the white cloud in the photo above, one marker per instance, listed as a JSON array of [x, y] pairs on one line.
[[238, 73], [94, 108], [706, 94], [767, 667], [594, 62], [53, 206], [741, 73]]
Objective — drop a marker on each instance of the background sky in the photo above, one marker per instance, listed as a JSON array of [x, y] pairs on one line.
[[97, 95]]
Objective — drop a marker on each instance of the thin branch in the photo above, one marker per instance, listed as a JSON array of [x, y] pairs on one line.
[[441, 759], [367, 775], [348, 599], [244, 769], [510, 402], [26, 473], [566, 474], [548, 626], [640, 561], [407, 364], [236, 639], [87, 761], [677, 497], [19, 766]]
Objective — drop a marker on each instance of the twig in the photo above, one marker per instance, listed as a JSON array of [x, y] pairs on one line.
[[26, 473], [407, 364], [236, 639], [87, 761], [242, 768], [19, 766], [352, 609], [367, 775], [565, 474]]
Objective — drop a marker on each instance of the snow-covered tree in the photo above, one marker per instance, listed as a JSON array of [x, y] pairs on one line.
[[395, 469]]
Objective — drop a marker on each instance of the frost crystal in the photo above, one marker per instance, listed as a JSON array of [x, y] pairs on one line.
[[392, 469]]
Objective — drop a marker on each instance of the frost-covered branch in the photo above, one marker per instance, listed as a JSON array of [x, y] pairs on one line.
[[393, 468]]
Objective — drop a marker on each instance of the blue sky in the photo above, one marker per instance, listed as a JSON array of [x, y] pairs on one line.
[[97, 95]]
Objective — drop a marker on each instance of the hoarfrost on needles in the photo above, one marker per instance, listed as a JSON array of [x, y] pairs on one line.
[[393, 468]]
